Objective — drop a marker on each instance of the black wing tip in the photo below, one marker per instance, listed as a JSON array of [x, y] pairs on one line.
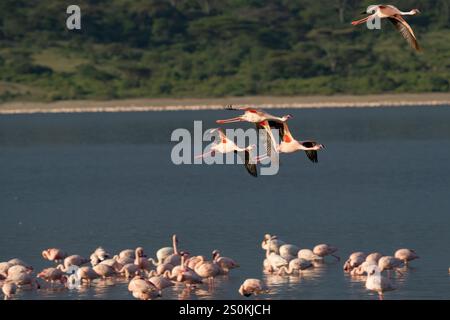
[[251, 169]]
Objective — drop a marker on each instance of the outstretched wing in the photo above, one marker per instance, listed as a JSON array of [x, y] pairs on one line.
[[405, 30], [220, 134], [231, 107], [251, 167], [277, 125], [311, 154]]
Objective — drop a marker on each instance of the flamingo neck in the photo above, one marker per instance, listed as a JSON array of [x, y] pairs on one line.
[[174, 244], [408, 13]]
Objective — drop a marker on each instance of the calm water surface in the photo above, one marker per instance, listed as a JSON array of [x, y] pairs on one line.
[[82, 180]]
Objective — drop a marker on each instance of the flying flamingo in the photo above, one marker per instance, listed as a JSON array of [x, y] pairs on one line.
[[254, 116], [261, 119], [289, 145], [225, 145], [395, 16]]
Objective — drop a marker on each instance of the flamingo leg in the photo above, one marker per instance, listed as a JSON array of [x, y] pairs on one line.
[[260, 158], [401, 273], [237, 119], [204, 155], [364, 20]]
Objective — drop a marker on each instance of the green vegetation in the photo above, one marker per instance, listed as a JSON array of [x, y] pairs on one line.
[[209, 48]]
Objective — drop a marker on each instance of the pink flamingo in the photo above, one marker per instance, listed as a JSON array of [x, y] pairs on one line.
[[395, 16]]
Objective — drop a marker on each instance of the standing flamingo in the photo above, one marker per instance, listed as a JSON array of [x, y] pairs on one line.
[[224, 145], [274, 261], [376, 282], [9, 289], [52, 275], [174, 258], [252, 286], [323, 250], [354, 261], [309, 255], [207, 269], [141, 259], [374, 257], [395, 16], [406, 255], [54, 254], [272, 242], [295, 265], [225, 263], [389, 263]]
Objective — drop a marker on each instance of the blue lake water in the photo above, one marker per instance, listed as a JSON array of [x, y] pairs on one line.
[[78, 181]]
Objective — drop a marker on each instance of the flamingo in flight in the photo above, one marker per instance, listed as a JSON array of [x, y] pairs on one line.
[[253, 115], [260, 118], [395, 16], [289, 145], [224, 145]]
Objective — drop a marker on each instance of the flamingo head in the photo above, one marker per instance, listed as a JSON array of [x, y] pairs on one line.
[[244, 292], [287, 117], [139, 252], [415, 11], [373, 269], [267, 237], [215, 253]]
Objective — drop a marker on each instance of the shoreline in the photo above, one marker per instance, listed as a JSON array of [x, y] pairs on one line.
[[299, 102]]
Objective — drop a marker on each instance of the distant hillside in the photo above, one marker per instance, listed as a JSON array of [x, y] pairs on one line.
[[214, 48]]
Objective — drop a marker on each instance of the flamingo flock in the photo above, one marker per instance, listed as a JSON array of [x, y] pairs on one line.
[[268, 123], [287, 259], [149, 277]]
